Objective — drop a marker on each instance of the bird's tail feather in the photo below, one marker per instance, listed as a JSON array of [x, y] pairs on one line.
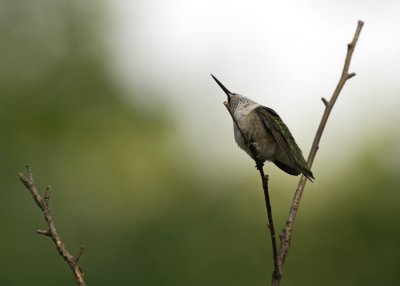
[[294, 171]]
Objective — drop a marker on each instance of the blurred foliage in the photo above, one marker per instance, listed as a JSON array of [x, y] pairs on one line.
[[125, 187]]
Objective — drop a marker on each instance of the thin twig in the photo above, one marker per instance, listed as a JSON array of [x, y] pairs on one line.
[[264, 179], [78, 257], [287, 231], [43, 204]]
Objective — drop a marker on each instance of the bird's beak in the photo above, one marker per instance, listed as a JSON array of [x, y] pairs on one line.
[[228, 93]]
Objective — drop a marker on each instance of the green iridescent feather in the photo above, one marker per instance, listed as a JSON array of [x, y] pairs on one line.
[[297, 163]]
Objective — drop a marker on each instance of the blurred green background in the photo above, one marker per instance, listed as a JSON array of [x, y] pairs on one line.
[[160, 198]]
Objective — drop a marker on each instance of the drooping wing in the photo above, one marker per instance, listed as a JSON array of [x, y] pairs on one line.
[[284, 138]]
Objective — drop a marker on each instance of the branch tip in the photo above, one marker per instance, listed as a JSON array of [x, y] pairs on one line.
[[350, 75], [324, 101], [43, 232], [27, 183], [29, 172], [78, 257], [47, 194]]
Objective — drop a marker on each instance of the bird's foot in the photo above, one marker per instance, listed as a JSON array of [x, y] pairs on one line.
[[259, 164]]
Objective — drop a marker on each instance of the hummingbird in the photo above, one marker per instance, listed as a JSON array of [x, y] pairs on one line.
[[267, 133]]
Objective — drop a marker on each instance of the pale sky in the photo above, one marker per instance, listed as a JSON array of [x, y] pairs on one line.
[[282, 54]]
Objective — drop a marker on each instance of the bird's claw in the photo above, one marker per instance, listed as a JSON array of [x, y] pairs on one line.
[[259, 164]]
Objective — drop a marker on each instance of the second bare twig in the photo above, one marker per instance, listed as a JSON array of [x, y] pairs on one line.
[[287, 231], [43, 204]]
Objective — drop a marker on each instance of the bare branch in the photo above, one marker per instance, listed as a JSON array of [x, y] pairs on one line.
[[287, 231], [52, 231]]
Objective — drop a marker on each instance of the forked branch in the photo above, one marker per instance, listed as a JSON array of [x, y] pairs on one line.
[[279, 255], [43, 204]]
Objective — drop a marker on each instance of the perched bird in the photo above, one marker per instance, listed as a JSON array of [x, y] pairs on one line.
[[266, 132]]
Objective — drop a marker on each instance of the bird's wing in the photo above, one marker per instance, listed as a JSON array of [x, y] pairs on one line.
[[284, 138], [280, 132]]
